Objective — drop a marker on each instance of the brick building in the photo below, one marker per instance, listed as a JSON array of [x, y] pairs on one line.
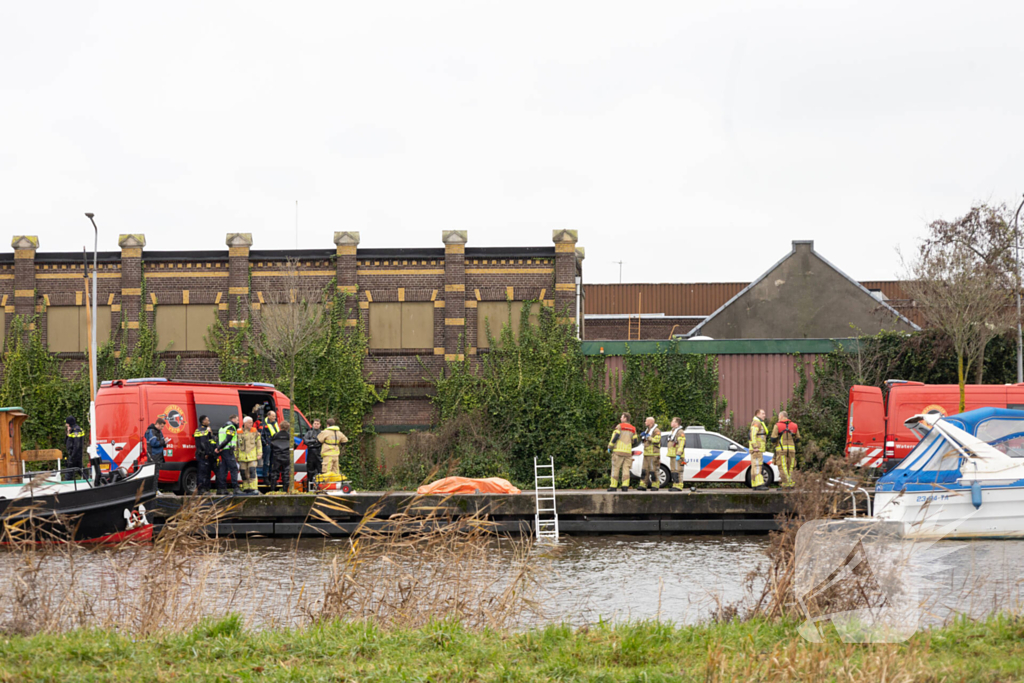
[[420, 306]]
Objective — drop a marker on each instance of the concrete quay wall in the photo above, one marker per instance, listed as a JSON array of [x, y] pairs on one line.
[[579, 512]]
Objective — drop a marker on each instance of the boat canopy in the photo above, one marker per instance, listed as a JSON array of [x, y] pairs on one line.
[[986, 444]]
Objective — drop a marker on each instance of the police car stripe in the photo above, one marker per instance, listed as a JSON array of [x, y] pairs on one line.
[[708, 465], [737, 465]]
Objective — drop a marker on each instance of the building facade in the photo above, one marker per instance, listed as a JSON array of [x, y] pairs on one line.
[[803, 296], [419, 306]]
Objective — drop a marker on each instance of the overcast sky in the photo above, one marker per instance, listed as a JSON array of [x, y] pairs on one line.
[[693, 141]]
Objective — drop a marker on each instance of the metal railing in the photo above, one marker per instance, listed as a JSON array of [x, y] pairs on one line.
[[853, 489]]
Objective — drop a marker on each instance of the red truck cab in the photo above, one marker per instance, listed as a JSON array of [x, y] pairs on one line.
[[125, 408], [876, 435]]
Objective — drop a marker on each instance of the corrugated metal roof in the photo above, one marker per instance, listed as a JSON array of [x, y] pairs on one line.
[[699, 298], [693, 298]]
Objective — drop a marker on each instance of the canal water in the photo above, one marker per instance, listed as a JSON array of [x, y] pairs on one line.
[[684, 579]]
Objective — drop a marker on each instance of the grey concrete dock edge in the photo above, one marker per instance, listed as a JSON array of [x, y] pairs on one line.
[[580, 512]]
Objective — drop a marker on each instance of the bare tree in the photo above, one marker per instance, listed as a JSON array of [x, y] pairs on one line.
[[985, 233], [960, 296], [291, 319]]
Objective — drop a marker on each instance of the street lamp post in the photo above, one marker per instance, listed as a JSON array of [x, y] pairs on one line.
[[1016, 256], [94, 451]]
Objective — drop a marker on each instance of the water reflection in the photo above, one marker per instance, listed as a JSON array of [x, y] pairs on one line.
[[684, 579]]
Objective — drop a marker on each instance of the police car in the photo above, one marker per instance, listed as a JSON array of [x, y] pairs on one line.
[[709, 456]]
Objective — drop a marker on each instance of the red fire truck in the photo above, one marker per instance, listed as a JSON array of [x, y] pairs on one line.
[[124, 408], [876, 436]]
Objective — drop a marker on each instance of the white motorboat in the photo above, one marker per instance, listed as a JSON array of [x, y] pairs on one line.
[[964, 479]]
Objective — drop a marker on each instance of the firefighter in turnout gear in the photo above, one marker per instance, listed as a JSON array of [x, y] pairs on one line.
[[332, 439], [227, 441], [250, 446], [206, 459], [676, 454], [758, 437], [784, 436], [620, 447], [651, 439]]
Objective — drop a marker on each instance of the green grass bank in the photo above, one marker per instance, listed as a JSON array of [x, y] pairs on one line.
[[992, 650]]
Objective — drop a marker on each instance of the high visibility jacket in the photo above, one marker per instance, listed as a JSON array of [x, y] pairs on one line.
[[758, 435], [227, 437], [331, 438], [268, 432], [679, 439], [652, 447], [205, 442], [785, 433], [249, 446], [623, 439], [73, 445]]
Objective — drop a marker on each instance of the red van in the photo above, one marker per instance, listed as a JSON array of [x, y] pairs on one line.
[[876, 436], [124, 408]]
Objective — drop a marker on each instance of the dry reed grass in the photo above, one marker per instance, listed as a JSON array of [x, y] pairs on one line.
[[54, 586], [425, 565], [413, 568], [771, 590]]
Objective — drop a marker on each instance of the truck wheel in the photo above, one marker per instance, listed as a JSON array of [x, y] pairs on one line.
[[664, 477], [188, 482]]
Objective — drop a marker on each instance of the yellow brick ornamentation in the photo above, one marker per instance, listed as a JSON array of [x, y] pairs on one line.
[[454, 322]]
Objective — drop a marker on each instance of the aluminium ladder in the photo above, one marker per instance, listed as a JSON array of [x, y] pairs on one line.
[[545, 521]]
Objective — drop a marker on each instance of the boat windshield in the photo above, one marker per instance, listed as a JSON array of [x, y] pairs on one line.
[[923, 451], [1007, 436]]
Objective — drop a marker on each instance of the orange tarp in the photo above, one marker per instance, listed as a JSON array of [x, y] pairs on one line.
[[464, 485]]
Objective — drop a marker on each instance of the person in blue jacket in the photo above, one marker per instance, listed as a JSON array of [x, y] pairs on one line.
[[155, 441]]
